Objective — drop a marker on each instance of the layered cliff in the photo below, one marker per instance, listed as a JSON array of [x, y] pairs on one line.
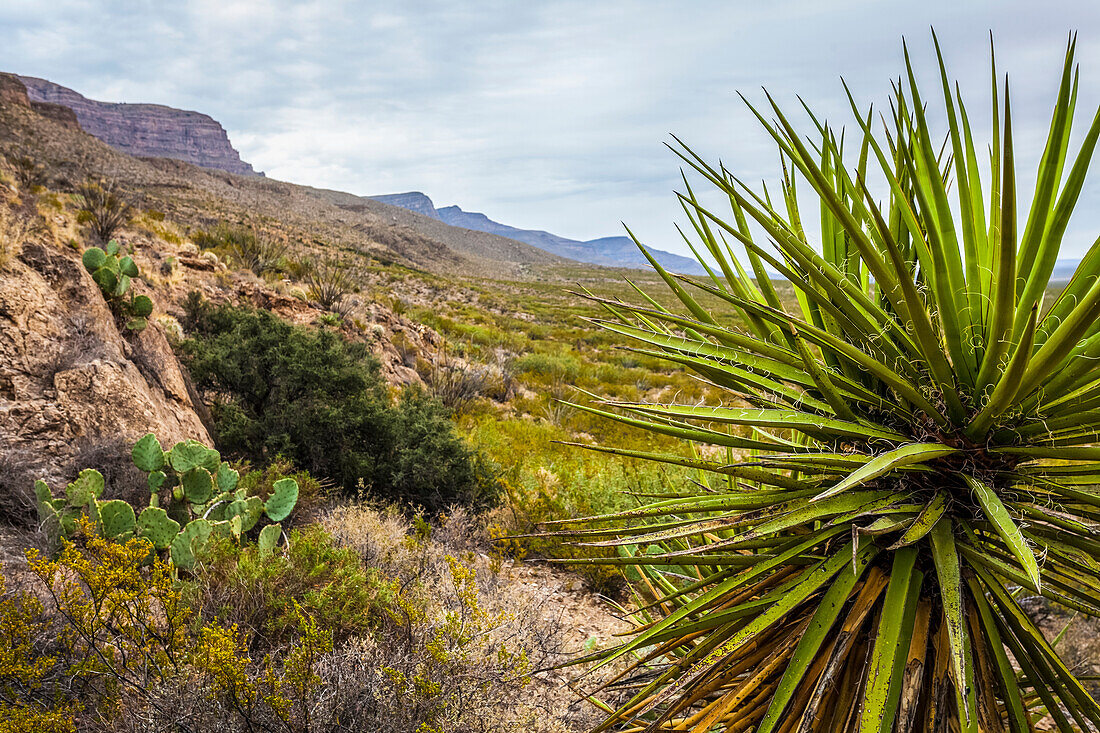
[[146, 130]]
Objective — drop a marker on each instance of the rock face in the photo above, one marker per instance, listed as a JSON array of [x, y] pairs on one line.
[[146, 130], [12, 91], [74, 392], [413, 201], [59, 113]]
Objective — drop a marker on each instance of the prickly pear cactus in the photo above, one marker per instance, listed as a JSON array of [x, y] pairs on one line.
[[198, 485], [88, 485], [116, 519], [269, 539], [201, 495], [189, 541], [155, 525], [282, 500], [114, 274]]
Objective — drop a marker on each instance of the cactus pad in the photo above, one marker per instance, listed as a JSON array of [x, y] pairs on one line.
[[93, 511], [198, 485], [147, 453], [93, 259], [224, 529], [117, 518], [156, 480], [142, 306], [88, 485], [157, 527], [106, 279], [42, 491], [193, 454], [283, 497], [187, 542], [249, 510], [112, 247], [227, 477], [127, 267], [269, 538]]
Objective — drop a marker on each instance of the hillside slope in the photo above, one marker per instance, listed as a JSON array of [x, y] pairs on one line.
[[606, 251], [197, 197]]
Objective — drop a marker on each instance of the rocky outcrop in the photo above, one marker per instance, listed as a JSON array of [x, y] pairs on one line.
[[413, 201], [146, 130], [58, 113], [74, 392], [12, 91]]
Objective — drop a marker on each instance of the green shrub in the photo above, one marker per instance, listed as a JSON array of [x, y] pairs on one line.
[[104, 207], [319, 400], [242, 586], [553, 367]]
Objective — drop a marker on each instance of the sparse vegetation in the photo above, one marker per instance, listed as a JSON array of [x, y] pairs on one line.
[[104, 207], [258, 251], [328, 282], [29, 173], [13, 231], [311, 640], [458, 385]]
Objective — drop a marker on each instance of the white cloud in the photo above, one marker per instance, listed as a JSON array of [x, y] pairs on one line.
[[548, 114]]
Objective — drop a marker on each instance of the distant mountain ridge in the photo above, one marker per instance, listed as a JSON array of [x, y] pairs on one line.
[[146, 130], [607, 251]]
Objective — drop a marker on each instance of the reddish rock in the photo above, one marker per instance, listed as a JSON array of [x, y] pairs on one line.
[[146, 130]]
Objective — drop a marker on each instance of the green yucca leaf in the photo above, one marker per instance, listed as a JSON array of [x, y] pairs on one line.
[[897, 439], [906, 455]]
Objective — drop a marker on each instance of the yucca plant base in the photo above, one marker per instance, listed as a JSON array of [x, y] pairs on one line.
[[901, 458]]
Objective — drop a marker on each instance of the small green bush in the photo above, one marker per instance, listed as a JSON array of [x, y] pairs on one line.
[[258, 251], [242, 586], [551, 366], [103, 207], [319, 400]]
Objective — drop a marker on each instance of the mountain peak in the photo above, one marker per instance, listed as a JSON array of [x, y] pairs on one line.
[[607, 251], [411, 200]]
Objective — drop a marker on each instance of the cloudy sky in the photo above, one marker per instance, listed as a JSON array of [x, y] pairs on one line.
[[543, 115]]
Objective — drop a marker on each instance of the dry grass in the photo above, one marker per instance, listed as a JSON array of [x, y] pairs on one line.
[[527, 621], [13, 232]]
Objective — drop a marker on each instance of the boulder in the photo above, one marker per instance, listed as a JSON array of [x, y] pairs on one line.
[[75, 390]]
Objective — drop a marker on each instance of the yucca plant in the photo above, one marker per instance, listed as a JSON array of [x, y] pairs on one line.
[[904, 448]]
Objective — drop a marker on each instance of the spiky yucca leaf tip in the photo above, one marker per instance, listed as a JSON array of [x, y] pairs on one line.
[[909, 440]]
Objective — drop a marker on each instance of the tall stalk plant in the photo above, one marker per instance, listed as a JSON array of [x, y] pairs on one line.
[[905, 447]]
